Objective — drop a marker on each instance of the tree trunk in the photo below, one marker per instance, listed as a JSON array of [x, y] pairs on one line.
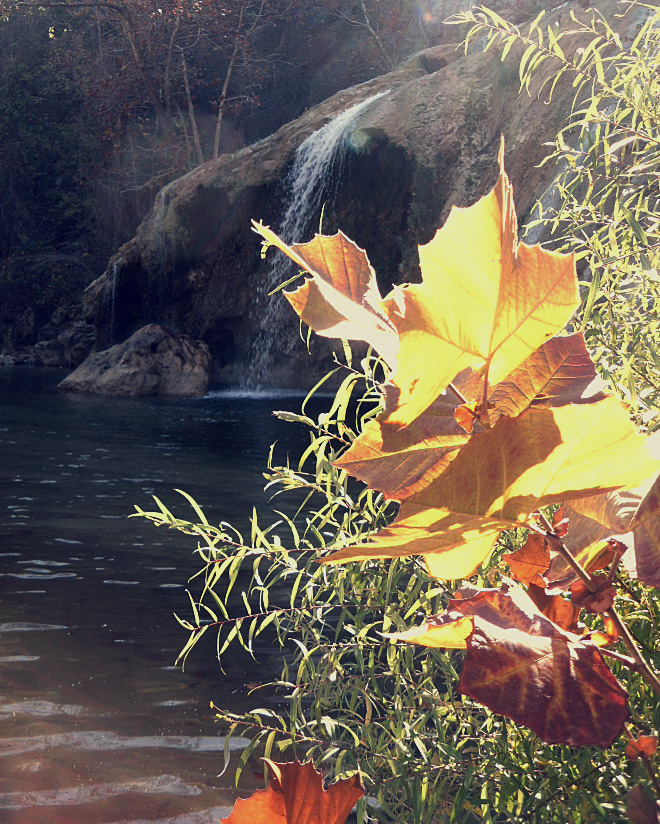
[[150, 88], [191, 112], [225, 87], [167, 93]]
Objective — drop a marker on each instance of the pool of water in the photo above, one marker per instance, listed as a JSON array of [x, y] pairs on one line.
[[96, 722]]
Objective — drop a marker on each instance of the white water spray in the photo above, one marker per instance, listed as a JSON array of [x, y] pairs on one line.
[[318, 161]]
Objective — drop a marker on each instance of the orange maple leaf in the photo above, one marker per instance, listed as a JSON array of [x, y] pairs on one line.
[[644, 745], [295, 795]]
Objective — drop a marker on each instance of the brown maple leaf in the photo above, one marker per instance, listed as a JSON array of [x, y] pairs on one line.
[[641, 809], [604, 526], [519, 663], [530, 561]]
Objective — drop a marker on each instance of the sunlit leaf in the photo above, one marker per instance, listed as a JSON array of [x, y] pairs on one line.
[[600, 599], [600, 524], [399, 461], [530, 561], [642, 557], [558, 372], [447, 631], [295, 795], [561, 612], [341, 299], [485, 301], [500, 477]]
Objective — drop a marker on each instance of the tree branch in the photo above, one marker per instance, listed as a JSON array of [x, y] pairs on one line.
[[590, 582]]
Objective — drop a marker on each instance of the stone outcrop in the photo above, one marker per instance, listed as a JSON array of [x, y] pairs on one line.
[[151, 362], [65, 341], [428, 144], [69, 348]]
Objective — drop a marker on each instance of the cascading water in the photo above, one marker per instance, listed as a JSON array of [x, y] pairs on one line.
[[114, 269], [313, 168], [317, 163]]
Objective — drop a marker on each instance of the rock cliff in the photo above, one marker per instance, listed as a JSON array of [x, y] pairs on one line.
[[430, 143]]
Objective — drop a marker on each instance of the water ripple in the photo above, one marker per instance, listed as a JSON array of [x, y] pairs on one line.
[[159, 784], [214, 815], [24, 626], [40, 575], [101, 740], [38, 708], [16, 659]]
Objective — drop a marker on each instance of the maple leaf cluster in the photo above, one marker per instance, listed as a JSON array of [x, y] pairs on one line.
[[492, 411]]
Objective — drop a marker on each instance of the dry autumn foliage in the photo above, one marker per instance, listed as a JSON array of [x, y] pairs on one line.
[[493, 411], [295, 795]]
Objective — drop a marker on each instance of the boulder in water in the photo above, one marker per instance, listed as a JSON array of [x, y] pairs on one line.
[[151, 362]]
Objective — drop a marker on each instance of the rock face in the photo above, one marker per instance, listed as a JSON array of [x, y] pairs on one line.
[[428, 144], [151, 362]]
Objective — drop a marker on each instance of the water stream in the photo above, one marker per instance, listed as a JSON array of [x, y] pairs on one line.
[[316, 169], [97, 725]]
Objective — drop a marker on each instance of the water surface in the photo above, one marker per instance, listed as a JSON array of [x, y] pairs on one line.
[[96, 724]]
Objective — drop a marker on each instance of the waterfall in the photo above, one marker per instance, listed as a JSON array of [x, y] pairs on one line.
[[317, 164], [312, 169], [114, 269]]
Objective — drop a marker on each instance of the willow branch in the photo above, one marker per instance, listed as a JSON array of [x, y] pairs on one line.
[[626, 660], [651, 774], [558, 545]]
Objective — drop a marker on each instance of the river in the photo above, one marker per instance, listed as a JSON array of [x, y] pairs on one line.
[[97, 725]]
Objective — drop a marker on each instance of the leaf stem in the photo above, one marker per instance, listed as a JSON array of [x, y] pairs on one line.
[[642, 667], [558, 545], [651, 774], [457, 392], [483, 417]]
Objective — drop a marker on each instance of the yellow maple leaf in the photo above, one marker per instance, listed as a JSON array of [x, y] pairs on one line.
[[485, 301], [499, 478]]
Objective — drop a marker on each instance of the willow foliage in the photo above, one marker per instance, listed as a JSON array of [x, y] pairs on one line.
[[347, 696], [603, 202]]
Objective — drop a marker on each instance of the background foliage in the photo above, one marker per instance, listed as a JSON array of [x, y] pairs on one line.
[[105, 103]]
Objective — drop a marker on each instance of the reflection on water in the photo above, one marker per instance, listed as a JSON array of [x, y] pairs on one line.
[[96, 724]]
